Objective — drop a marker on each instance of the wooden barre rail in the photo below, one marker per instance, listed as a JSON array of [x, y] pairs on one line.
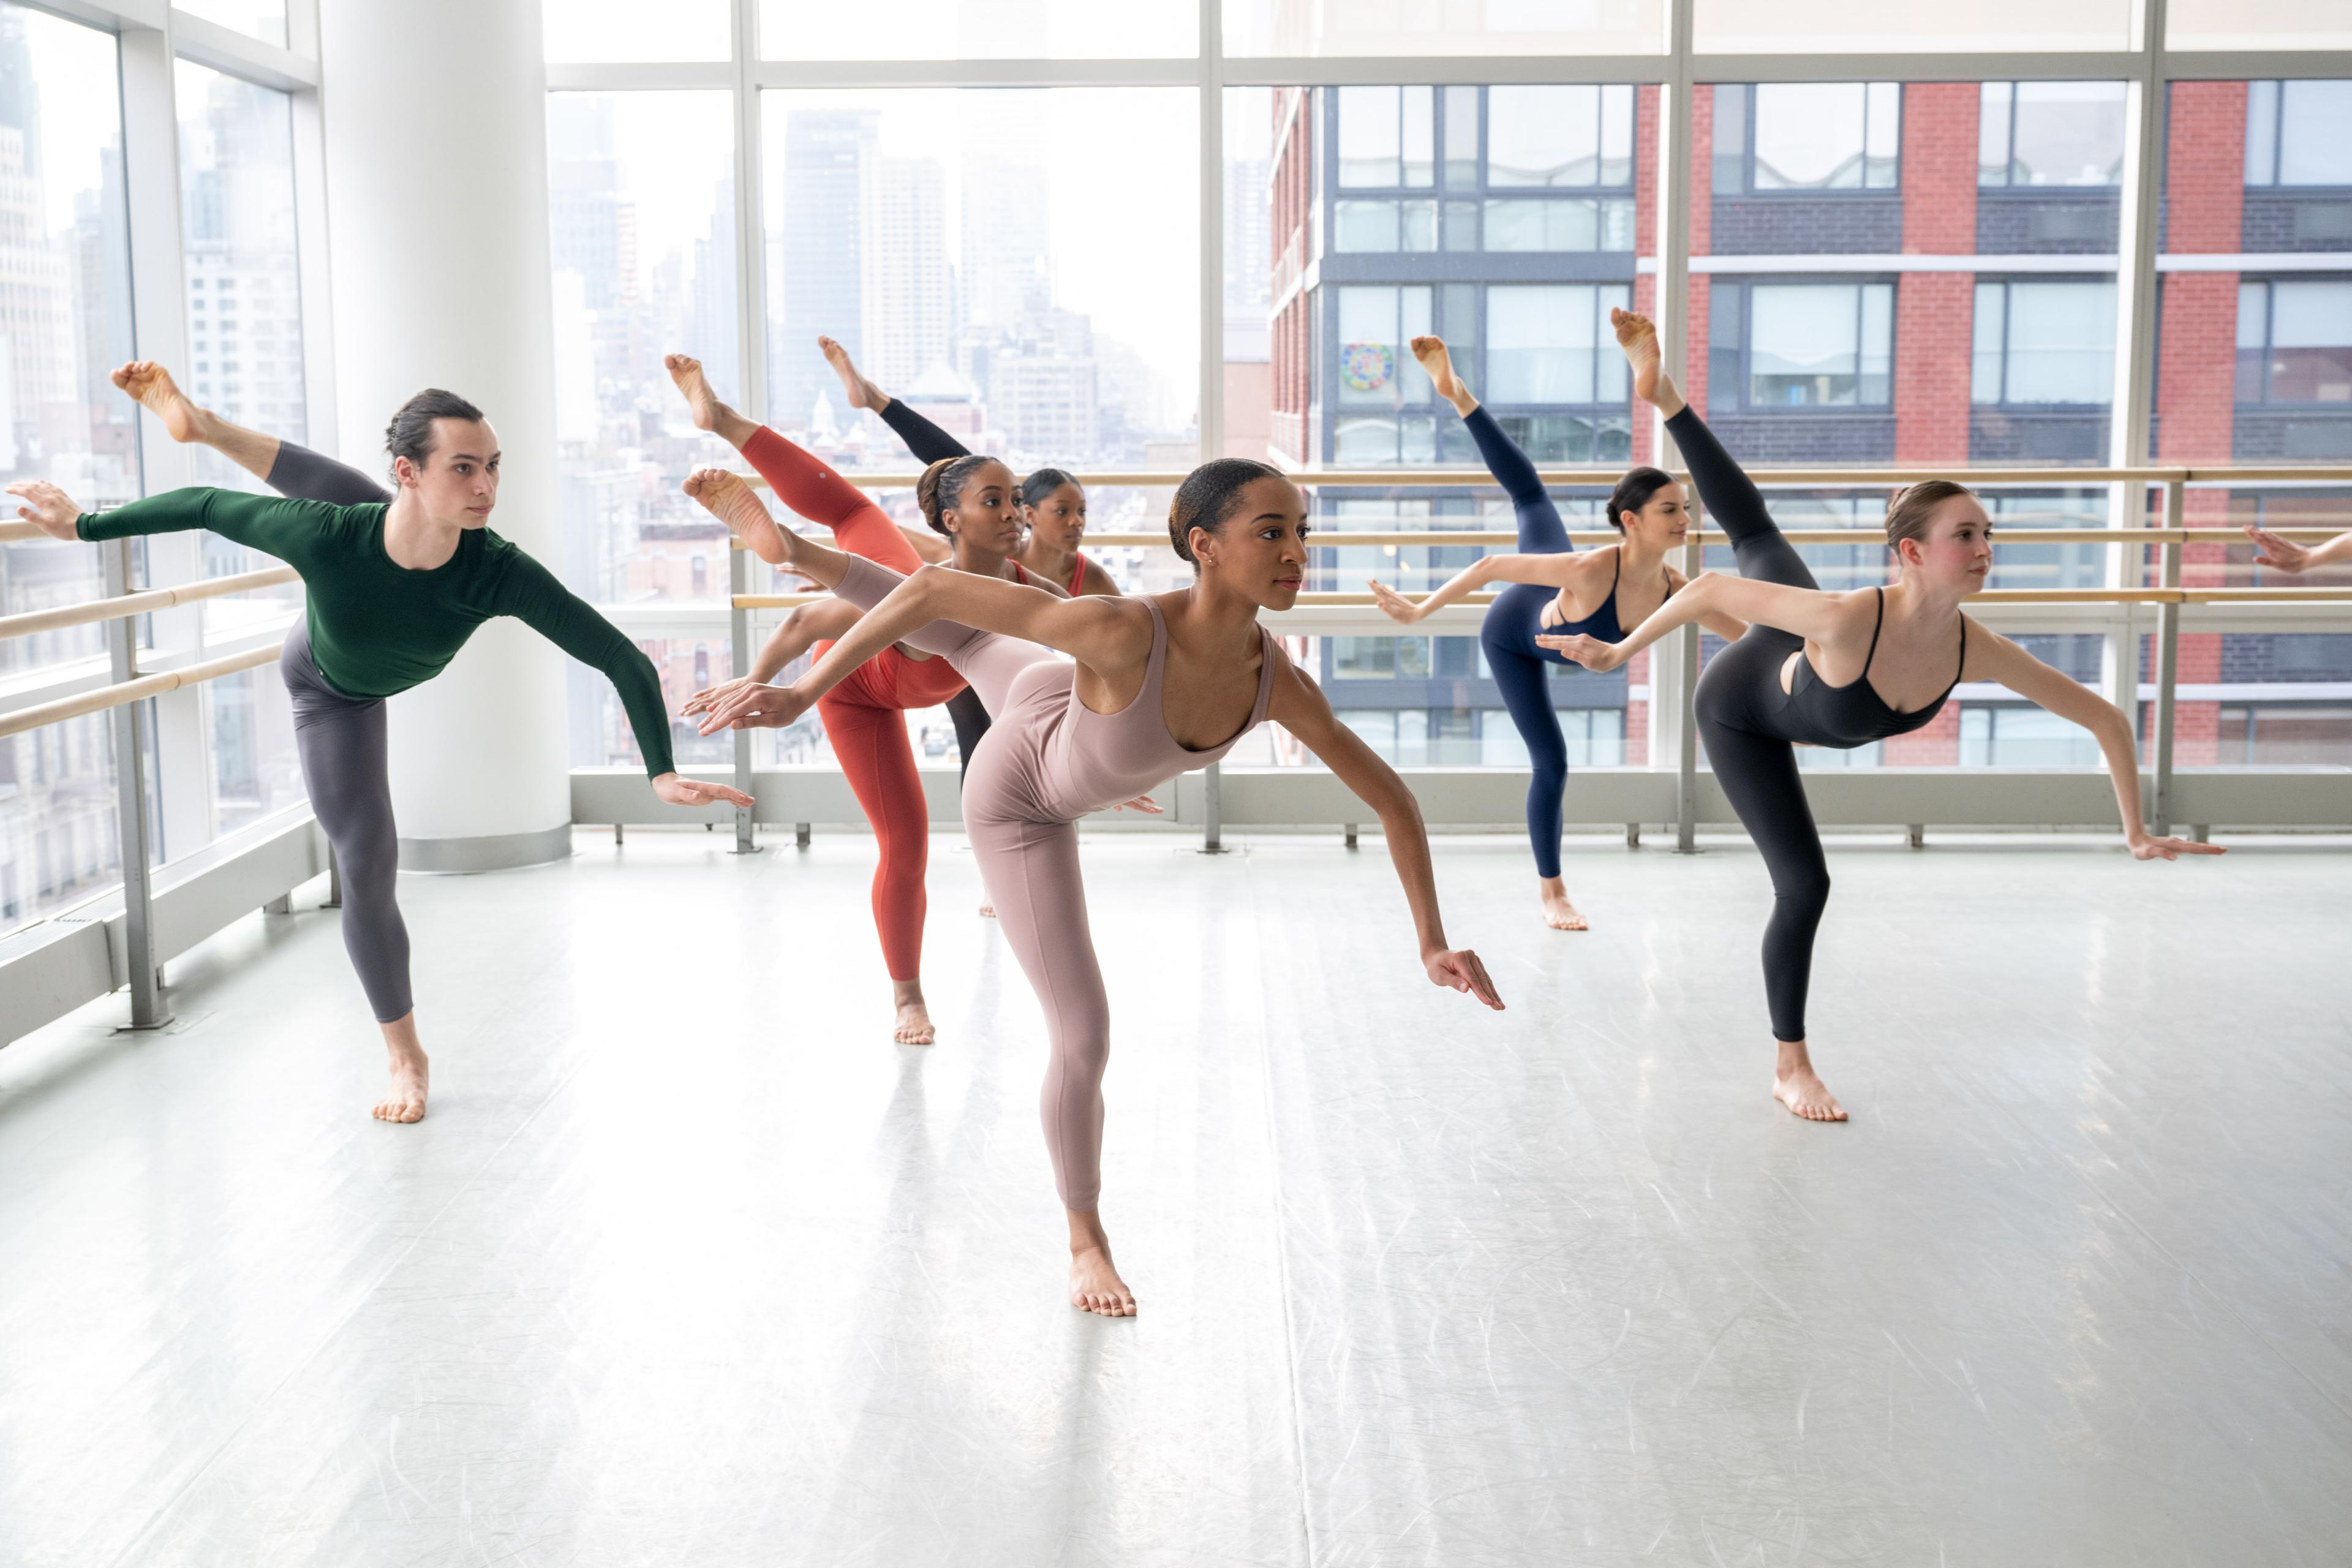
[[142, 603], [1714, 539], [134, 690], [1602, 478], [1989, 596]]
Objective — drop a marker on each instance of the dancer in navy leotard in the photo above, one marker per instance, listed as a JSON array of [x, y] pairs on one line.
[[1839, 669], [1552, 589]]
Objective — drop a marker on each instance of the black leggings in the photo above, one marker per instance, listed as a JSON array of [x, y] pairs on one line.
[[346, 767], [931, 444], [1740, 711]]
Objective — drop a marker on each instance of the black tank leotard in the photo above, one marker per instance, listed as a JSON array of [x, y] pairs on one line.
[[1749, 725]]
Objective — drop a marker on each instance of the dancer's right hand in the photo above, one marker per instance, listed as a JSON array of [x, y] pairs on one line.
[[1589, 651], [704, 700], [2282, 553], [757, 707], [1395, 606], [1458, 969], [47, 508]]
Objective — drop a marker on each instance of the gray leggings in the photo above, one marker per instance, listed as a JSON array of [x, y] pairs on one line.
[[346, 767]]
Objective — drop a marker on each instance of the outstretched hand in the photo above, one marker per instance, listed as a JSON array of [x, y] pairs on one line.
[[2171, 848], [675, 791], [1589, 651], [1393, 605], [2282, 553], [703, 701], [1458, 969], [1142, 803], [756, 707], [47, 508]]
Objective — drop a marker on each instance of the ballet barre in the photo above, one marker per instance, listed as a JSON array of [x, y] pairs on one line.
[[145, 601]]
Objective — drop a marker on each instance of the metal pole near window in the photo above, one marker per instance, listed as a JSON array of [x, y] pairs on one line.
[[1674, 666], [2168, 660], [147, 1007]]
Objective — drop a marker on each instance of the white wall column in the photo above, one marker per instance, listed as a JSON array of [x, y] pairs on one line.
[[436, 129]]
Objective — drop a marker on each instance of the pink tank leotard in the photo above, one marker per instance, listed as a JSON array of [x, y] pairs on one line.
[[1046, 760]]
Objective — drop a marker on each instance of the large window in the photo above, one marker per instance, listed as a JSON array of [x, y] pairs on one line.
[[1789, 345], [1808, 136], [2044, 343], [2044, 133], [2295, 341], [2298, 133], [1551, 343]]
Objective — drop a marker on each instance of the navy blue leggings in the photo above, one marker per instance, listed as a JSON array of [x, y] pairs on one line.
[[1508, 636]]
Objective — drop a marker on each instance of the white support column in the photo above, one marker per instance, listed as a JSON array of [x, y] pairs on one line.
[[1674, 661], [311, 202], [438, 240], [1212, 230], [2130, 434]]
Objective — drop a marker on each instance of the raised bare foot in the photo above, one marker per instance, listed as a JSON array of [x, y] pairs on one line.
[[153, 386], [727, 498], [1798, 1086], [701, 403], [914, 1025], [1095, 1284], [1558, 912], [405, 1100], [1439, 364], [863, 392], [1638, 336]]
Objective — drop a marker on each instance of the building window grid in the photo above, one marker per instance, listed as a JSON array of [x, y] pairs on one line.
[[2269, 106], [1877, 156], [2325, 369]]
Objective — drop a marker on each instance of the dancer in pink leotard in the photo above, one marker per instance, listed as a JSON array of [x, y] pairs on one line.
[[1162, 684]]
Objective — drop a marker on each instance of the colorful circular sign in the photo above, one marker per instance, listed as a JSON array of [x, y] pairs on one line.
[[1367, 367]]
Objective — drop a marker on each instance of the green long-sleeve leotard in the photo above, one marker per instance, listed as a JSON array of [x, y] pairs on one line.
[[377, 627]]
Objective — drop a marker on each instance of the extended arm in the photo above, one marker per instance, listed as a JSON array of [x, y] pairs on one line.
[[1808, 613], [2289, 556], [273, 524], [1299, 707], [802, 629], [1998, 658], [1557, 569], [530, 594]]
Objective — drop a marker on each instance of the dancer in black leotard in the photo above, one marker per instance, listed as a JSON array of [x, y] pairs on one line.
[[1552, 589], [1835, 670]]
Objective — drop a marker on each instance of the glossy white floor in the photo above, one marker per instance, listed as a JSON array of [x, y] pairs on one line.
[[690, 1264]]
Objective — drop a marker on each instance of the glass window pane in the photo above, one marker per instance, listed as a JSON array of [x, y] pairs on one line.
[[600, 31], [2311, 343], [2315, 133], [1774, 27], [1809, 135], [1802, 344], [1371, 136], [1540, 343], [2253, 346], [2069, 132], [2257, 24], [263, 19], [243, 278], [978, 30], [1992, 134], [1363, 226], [1491, 27], [1882, 137], [1418, 140], [2061, 342], [642, 235], [69, 302], [2262, 133], [976, 251], [1543, 136], [1988, 338]]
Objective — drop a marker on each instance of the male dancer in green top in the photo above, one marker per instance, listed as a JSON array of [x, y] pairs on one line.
[[395, 586]]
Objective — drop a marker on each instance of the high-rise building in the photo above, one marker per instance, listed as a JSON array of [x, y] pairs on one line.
[[817, 264], [1006, 216], [711, 334], [909, 288]]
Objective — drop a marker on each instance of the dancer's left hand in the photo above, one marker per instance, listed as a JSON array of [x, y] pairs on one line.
[[757, 708], [2152, 848], [1588, 651], [1143, 802], [47, 508], [1458, 969], [677, 791]]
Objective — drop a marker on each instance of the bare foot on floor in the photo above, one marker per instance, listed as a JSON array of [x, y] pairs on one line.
[[153, 386], [1798, 1086], [914, 1025], [1558, 912], [863, 392], [730, 500], [405, 1100], [1096, 1286]]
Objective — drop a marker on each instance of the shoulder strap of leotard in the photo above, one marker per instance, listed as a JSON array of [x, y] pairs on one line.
[[1079, 574], [1020, 573], [1616, 572], [1874, 628], [1964, 657], [1270, 656]]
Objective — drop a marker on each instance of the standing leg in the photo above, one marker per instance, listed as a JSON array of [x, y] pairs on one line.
[[1759, 775], [1032, 872], [343, 747], [1527, 692], [870, 743]]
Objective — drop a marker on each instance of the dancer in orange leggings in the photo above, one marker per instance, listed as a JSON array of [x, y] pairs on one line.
[[865, 716]]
